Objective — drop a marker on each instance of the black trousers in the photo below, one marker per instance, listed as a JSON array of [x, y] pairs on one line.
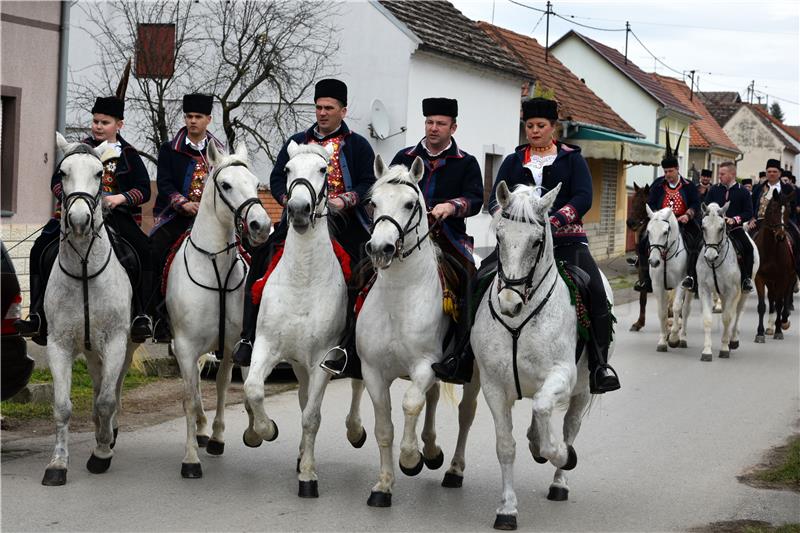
[[743, 245], [41, 266], [161, 241]]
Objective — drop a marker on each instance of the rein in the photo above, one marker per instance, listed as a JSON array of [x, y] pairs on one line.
[[724, 240], [404, 231], [663, 249], [92, 203]]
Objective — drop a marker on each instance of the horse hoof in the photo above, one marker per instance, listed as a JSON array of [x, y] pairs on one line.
[[435, 463], [274, 434], [505, 522], [308, 489], [540, 460], [635, 327], [215, 447], [706, 357], [254, 442], [96, 465], [760, 339], [414, 470], [114, 440], [770, 331], [360, 442], [572, 458], [661, 348], [683, 344], [191, 470], [724, 354], [558, 494], [380, 499], [452, 481], [54, 477], [202, 440], [733, 345], [778, 335], [786, 325], [673, 344]]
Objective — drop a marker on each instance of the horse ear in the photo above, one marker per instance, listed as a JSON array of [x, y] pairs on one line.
[[704, 208], [502, 194], [292, 148], [724, 208], [61, 142], [417, 169], [649, 211], [647, 187], [379, 166], [101, 149], [241, 151], [635, 187], [546, 201], [213, 154]]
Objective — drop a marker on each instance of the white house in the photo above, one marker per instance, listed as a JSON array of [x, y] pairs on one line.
[[760, 137], [635, 95]]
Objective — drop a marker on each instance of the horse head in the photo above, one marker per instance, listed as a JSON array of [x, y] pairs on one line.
[[776, 216], [714, 229], [398, 211], [662, 231], [306, 183], [524, 242], [236, 188], [637, 214], [81, 173]]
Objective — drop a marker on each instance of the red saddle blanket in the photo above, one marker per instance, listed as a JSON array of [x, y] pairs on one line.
[[174, 250], [258, 286]]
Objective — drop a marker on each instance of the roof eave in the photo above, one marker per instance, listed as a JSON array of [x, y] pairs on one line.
[[635, 134]]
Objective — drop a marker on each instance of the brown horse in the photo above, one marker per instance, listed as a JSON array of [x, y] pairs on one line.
[[776, 272], [637, 222]]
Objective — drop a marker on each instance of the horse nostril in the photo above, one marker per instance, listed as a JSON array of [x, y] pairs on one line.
[[388, 249], [254, 225], [368, 247], [307, 209], [517, 308]]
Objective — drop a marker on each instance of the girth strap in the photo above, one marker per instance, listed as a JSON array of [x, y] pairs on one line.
[[516, 332]]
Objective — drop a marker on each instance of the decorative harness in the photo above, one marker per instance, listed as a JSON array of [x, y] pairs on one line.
[[317, 198], [67, 201], [526, 282], [714, 265], [663, 249], [403, 231], [240, 228]]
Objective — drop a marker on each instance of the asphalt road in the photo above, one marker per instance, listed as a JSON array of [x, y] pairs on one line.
[[661, 454]]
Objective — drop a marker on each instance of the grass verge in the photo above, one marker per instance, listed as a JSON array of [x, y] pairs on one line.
[[787, 470]]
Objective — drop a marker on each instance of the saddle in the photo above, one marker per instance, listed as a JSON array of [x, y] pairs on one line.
[[577, 281]]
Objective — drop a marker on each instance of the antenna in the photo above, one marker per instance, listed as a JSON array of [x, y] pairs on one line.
[[379, 126]]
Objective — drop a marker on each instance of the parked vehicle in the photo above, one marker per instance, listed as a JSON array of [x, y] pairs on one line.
[[17, 366]]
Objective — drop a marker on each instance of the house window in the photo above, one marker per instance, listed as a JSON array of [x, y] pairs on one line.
[[155, 50], [9, 146]]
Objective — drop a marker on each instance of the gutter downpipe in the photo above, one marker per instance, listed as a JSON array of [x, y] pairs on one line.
[[659, 117], [63, 70]]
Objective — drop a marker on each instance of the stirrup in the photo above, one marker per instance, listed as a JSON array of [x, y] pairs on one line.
[[632, 261], [324, 365], [688, 283]]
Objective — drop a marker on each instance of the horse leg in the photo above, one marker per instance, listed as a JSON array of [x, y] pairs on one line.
[[771, 316], [500, 406], [673, 339], [663, 304], [378, 389], [216, 444], [762, 307], [422, 379], [559, 490], [129, 351], [707, 304], [202, 419], [356, 434], [639, 324], [192, 405], [778, 333], [686, 309], [734, 343], [554, 391], [454, 477], [301, 373], [105, 403], [262, 363], [60, 362], [728, 312], [432, 455], [787, 303], [318, 381]]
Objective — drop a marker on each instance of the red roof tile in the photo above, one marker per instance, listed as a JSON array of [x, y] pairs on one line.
[[706, 132], [577, 102]]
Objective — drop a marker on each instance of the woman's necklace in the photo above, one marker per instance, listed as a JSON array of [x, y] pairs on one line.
[[542, 149]]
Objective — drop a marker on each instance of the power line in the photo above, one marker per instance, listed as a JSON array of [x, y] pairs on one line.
[[527, 6], [710, 28], [654, 56], [587, 26], [538, 22]]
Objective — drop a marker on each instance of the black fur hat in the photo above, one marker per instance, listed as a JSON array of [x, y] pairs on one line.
[[539, 108], [440, 106], [331, 88], [198, 103]]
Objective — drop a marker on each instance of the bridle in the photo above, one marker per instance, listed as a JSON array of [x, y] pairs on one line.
[[92, 202], [403, 231], [525, 281], [317, 198], [240, 213], [723, 241], [663, 250]]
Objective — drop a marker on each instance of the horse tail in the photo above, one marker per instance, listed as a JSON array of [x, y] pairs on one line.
[[449, 392], [140, 356]]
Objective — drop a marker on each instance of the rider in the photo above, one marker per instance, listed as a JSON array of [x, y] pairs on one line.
[[182, 171], [350, 176], [672, 190], [125, 186], [740, 211], [544, 163], [705, 184], [453, 189]]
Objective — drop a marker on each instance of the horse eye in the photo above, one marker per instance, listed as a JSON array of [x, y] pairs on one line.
[[99, 174], [409, 205], [371, 204], [226, 186], [323, 170], [286, 169]]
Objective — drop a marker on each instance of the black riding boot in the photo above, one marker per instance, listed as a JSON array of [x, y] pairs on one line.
[[142, 324], [346, 364], [457, 366], [36, 324], [243, 351], [602, 378], [747, 266], [643, 284], [690, 281]]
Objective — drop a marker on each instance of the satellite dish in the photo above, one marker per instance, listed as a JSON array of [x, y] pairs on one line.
[[379, 119]]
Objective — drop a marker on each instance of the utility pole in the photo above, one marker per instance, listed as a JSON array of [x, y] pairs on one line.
[[627, 31], [547, 34], [751, 89], [691, 87]]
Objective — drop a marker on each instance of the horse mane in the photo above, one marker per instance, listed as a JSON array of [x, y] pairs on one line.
[[79, 148], [316, 149], [520, 206], [396, 175]]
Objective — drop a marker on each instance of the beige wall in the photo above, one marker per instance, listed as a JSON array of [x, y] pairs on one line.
[[757, 142]]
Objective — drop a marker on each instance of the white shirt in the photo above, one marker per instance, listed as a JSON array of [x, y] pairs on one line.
[[199, 146], [536, 166], [440, 152]]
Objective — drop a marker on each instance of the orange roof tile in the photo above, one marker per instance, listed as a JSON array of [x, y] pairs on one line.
[[775, 122], [577, 102]]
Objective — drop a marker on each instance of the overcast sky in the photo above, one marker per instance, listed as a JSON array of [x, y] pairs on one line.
[[729, 43]]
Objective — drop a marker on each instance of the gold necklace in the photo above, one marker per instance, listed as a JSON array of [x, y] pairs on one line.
[[541, 149]]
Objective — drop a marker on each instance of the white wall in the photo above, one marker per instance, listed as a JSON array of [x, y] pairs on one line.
[[756, 141]]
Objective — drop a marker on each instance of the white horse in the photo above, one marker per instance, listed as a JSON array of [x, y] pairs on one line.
[[303, 310], [88, 302], [205, 291], [525, 341], [718, 270], [668, 265], [401, 328]]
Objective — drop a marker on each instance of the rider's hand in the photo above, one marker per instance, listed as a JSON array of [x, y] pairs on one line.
[[683, 219], [190, 208], [729, 221], [114, 200], [751, 224], [443, 210], [336, 203]]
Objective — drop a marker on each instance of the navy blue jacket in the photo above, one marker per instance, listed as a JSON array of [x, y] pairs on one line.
[[786, 189], [688, 191], [131, 175], [574, 199], [453, 177], [741, 204]]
